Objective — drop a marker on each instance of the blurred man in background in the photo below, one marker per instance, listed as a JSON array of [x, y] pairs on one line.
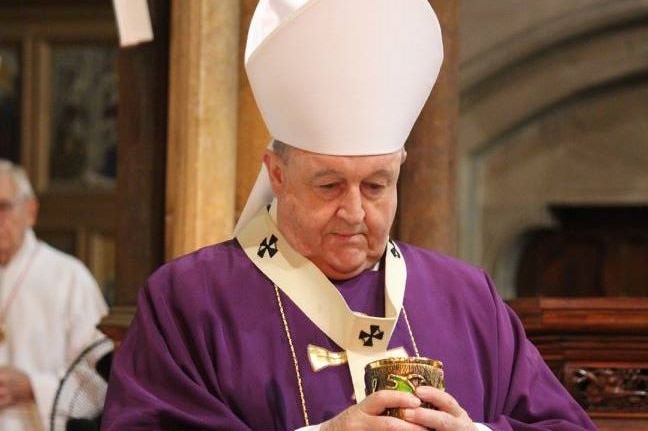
[[50, 305]]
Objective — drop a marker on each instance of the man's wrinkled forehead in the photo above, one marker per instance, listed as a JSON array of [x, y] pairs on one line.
[[8, 187], [285, 150], [317, 166]]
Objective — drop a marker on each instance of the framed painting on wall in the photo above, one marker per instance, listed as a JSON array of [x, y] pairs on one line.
[[83, 115]]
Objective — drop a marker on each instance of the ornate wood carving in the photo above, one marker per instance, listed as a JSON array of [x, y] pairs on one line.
[[609, 389], [598, 348]]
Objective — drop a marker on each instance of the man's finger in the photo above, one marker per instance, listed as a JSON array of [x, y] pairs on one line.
[[5, 400], [440, 400], [376, 403]]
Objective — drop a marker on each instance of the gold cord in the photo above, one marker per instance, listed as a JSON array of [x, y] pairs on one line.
[[294, 357], [300, 387], [409, 329]]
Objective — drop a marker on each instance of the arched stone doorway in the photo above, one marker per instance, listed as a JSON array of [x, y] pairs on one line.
[[562, 124]]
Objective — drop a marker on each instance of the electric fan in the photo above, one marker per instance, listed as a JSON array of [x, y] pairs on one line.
[[79, 399]]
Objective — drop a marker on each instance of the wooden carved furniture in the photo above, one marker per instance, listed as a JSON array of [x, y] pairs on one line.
[[598, 347]]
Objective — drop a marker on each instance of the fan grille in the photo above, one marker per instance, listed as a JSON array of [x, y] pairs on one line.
[[82, 389]]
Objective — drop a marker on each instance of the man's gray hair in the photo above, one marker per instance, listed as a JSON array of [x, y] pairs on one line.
[[281, 149], [24, 188]]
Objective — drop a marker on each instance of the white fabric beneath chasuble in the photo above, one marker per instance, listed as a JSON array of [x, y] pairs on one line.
[[364, 338], [50, 306]]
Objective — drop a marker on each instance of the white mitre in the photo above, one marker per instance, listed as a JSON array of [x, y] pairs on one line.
[[340, 77]]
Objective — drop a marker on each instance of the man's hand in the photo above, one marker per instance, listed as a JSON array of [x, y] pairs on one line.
[[366, 416], [15, 387], [448, 416]]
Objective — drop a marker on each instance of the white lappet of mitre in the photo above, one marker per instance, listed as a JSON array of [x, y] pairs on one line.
[[340, 77]]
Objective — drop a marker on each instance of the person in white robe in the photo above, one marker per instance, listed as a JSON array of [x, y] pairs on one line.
[[50, 305]]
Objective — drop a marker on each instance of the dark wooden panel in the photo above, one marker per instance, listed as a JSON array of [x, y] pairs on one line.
[[596, 251], [142, 124], [94, 211]]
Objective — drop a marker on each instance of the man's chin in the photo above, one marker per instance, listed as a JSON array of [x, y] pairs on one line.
[[341, 268]]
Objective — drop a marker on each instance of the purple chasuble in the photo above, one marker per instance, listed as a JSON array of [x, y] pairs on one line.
[[207, 349]]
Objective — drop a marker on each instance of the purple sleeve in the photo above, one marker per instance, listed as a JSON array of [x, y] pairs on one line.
[[162, 376], [529, 396]]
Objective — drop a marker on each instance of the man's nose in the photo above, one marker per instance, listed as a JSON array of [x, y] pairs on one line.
[[351, 207]]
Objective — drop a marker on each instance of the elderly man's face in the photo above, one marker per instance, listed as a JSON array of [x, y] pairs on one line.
[[17, 214], [336, 210]]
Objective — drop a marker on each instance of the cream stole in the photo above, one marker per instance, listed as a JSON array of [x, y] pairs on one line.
[[364, 338]]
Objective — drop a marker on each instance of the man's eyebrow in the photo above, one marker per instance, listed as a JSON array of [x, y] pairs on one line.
[[382, 173], [332, 172], [324, 173]]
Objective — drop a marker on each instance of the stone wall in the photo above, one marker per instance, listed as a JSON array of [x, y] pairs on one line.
[[553, 111]]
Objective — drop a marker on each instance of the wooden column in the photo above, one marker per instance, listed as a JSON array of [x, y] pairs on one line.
[[427, 185], [142, 119], [203, 101]]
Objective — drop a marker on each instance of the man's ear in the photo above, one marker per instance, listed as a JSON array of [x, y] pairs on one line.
[[31, 211], [276, 170]]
